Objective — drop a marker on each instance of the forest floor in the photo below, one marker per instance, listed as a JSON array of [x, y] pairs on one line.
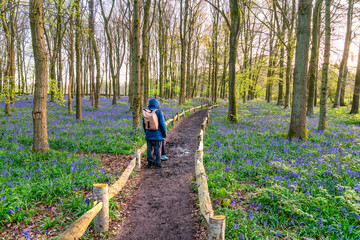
[[164, 205]]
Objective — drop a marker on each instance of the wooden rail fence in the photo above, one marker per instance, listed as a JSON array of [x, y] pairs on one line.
[[103, 193], [216, 224]]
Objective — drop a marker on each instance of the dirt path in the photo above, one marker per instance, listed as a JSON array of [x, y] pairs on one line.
[[163, 207]]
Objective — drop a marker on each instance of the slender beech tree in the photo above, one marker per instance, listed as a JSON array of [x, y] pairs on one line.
[[39, 114], [71, 59], [135, 70], [78, 59], [290, 55], [145, 50], [8, 76], [298, 110], [314, 59], [344, 61], [110, 40], [355, 102], [325, 69], [234, 32], [183, 34]]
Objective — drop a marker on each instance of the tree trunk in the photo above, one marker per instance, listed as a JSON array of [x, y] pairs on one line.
[[344, 60], [234, 31], [355, 102], [136, 64], [8, 67], [324, 77], [183, 31], [298, 110], [108, 35], [39, 114], [71, 61], [314, 59], [145, 49], [78, 59], [290, 53]]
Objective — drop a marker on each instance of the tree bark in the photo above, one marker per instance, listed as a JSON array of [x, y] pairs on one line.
[[8, 67], [136, 65], [145, 49], [39, 114], [345, 57], [183, 31], [355, 102], [78, 59], [314, 59], [290, 54], [234, 32], [324, 77], [71, 61], [298, 110], [112, 70]]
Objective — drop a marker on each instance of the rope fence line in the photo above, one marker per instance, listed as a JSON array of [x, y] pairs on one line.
[[103, 193], [216, 224]]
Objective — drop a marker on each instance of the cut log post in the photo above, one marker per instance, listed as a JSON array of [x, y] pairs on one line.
[[138, 160], [101, 220], [203, 127], [217, 228], [200, 138], [174, 121], [178, 117]]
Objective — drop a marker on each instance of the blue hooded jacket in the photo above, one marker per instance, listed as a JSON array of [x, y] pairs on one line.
[[161, 133]]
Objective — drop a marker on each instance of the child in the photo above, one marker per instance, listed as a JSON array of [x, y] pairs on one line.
[[155, 130]]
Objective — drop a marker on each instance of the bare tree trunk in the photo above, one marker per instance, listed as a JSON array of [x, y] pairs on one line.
[[39, 114], [234, 31], [344, 60], [355, 102], [8, 68], [136, 64], [290, 54], [59, 78], [324, 77], [112, 70], [78, 59], [314, 56], [183, 31], [71, 61], [298, 110], [145, 49]]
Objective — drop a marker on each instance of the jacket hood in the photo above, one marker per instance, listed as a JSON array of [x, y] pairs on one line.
[[154, 104]]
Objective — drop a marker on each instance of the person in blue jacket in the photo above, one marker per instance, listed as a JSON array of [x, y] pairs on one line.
[[155, 138]]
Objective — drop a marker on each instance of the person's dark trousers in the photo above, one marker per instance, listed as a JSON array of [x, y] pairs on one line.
[[163, 152], [156, 144]]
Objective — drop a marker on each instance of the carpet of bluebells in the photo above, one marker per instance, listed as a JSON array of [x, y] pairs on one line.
[[62, 176], [271, 188]]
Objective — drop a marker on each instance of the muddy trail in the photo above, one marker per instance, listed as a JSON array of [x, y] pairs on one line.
[[164, 204]]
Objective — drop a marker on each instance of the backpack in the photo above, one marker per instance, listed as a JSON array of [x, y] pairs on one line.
[[150, 119]]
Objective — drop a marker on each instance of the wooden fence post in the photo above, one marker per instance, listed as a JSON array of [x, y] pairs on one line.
[[203, 128], [174, 120], [138, 160], [101, 220], [217, 228], [178, 118], [200, 139]]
